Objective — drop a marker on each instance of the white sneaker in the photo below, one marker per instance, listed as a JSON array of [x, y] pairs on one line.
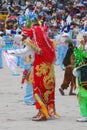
[[82, 119]]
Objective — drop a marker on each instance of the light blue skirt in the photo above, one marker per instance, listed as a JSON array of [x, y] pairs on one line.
[[28, 98]]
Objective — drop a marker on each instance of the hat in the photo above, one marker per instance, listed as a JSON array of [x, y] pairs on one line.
[[65, 35], [84, 33]]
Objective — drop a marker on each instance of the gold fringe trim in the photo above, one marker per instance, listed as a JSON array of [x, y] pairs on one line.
[[56, 114], [33, 45], [43, 107]]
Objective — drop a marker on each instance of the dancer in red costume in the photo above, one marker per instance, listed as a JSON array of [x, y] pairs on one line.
[[44, 76]]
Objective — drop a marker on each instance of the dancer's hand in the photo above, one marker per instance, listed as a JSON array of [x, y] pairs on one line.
[[9, 52], [6, 51]]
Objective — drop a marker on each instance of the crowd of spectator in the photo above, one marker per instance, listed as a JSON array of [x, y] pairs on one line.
[[58, 17]]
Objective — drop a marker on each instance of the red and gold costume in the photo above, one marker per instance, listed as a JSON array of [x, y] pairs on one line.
[[44, 77]]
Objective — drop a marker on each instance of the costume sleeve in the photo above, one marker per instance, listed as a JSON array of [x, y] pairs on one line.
[[84, 54], [76, 72], [19, 52]]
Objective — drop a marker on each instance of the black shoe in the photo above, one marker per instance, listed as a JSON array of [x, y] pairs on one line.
[[61, 91], [72, 94]]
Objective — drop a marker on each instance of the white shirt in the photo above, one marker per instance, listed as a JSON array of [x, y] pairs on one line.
[[27, 51]]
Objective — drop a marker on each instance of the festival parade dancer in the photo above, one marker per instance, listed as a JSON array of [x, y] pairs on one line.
[[28, 70], [44, 76], [80, 72], [28, 75]]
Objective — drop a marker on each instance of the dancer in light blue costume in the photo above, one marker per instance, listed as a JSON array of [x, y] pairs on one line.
[[28, 64], [28, 98]]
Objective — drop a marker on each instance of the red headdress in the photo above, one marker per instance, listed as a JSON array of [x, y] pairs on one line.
[[28, 32], [39, 35]]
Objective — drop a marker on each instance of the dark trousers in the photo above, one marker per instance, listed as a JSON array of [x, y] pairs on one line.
[[69, 79]]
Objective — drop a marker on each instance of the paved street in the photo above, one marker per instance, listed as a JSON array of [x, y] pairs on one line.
[[16, 115]]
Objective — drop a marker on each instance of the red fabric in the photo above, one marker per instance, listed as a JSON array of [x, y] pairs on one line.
[[46, 57], [25, 72], [48, 50], [28, 32], [44, 80], [39, 86]]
